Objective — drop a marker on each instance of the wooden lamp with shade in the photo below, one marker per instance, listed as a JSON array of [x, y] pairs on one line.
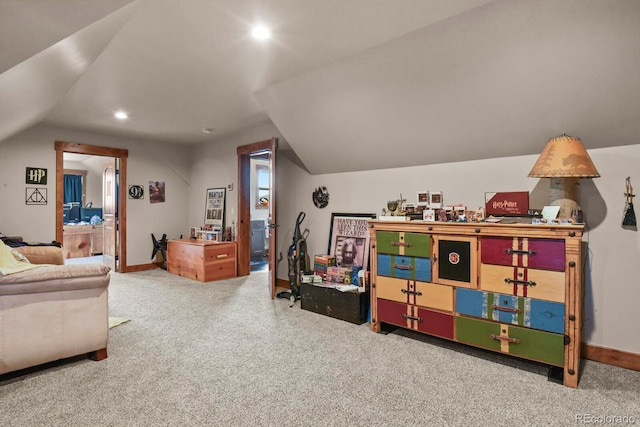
[[564, 160]]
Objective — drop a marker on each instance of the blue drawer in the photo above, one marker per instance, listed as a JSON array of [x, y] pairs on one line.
[[404, 267], [529, 312]]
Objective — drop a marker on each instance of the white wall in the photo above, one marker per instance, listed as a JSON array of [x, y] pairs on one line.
[[215, 164], [147, 161], [612, 268]]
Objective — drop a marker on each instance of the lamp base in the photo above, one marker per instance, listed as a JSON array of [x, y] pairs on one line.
[[564, 193]]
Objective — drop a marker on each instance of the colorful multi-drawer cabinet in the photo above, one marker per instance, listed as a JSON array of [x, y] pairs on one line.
[[509, 288]]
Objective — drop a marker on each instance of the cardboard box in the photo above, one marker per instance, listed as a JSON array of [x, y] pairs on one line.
[[513, 203], [321, 263], [311, 278], [325, 260], [338, 274]]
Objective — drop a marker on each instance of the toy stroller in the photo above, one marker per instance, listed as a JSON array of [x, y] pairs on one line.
[[298, 262]]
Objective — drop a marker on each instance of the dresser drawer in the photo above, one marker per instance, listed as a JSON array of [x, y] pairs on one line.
[[532, 313], [416, 318], [222, 269], [219, 252], [528, 343], [525, 282], [400, 243], [546, 254], [404, 267], [414, 292]]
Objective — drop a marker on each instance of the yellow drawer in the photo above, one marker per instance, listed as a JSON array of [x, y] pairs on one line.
[[414, 292], [524, 282]]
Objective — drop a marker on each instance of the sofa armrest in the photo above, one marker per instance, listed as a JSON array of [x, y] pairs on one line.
[[43, 254], [56, 278]]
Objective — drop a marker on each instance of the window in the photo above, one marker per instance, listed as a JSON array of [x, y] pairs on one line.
[[262, 187], [75, 186]]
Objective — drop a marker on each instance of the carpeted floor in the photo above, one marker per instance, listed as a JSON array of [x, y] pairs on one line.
[[225, 354]]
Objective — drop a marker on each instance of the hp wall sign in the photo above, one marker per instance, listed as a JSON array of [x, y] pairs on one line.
[[36, 176], [136, 192]]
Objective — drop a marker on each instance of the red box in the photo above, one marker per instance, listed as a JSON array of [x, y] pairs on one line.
[[514, 203]]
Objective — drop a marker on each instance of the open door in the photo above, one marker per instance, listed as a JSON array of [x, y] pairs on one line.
[[272, 224], [110, 214], [119, 252], [244, 208]]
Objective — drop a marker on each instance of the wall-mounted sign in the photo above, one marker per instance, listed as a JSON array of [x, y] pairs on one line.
[[36, 176], [35, 196], [214, 208], [320, 197], [136, 192]]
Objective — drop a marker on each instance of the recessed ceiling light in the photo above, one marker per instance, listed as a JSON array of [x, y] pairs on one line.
[[207, 130], [261, 32], [121, 115]]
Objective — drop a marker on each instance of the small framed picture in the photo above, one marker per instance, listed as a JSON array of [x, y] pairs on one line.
[[423, 198], [408, 207], [470, 216], [429, 215], [213, 236], [435, 199], [193, 232]]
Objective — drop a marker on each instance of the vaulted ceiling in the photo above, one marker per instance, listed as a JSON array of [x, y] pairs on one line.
[[350, 84]]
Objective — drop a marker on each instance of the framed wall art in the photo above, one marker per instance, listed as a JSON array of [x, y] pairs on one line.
[[193, 232], [349, 239], [156, 192], [436, 200], [423, 198], [214, 208]]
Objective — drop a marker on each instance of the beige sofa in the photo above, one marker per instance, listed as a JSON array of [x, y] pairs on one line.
[[52, 312]]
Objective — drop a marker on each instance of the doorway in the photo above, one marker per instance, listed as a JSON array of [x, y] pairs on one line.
[[83, 218], [258, 154], [260, 198], [117, 262]]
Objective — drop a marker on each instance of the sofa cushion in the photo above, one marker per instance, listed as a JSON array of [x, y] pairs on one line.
[[55, 278], [19, 256], [9, 265], [42, 254]]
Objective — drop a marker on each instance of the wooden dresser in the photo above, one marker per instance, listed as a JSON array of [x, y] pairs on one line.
[[82, 240], [510, 288], [201, 259]]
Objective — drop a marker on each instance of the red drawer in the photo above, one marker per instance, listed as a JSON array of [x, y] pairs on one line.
[[416, 318], [545, 254]]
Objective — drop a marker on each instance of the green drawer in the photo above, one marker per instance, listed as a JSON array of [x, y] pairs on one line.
[[532, 344], [407, 244]]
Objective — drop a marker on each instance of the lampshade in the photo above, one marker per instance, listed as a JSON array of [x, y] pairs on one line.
[[564, 160], [564, 156]]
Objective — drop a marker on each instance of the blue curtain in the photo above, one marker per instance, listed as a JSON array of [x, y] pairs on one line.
[[73, 188]]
